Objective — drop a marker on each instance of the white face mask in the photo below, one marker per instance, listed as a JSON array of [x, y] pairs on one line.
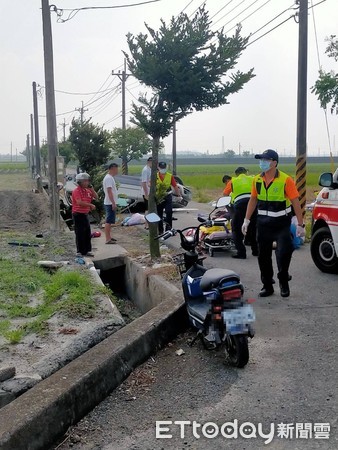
[[163, 171]]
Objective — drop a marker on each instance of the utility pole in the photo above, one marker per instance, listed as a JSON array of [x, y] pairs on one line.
[[11, 151], [51, 116], [28, 151], [174, 149], [37, 138], [123, 77], [32, 144], [81, 111], [64, 124], [302, 102]]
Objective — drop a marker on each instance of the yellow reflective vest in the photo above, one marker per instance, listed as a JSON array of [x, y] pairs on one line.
[[272, 201], [163, 187], [241, 187]]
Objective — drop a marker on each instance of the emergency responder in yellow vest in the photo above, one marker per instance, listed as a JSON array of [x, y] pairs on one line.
[[239, 188], [164, 184], [273, 193]]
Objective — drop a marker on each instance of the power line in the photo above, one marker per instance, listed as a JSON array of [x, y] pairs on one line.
[[251, 14], [73, 12], [61, 114], [276, 17], [221, 9], [80, 93], [277, 26], [102, 96], [104, 105], [200, 6], [319, 65], [229, 12], [131, 94], [117, 116], [103, 84], [272, 29], [239, 14], [186, 6]]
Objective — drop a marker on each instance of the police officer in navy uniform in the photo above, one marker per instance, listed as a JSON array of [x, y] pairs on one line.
[[273, 193], [239, 188]]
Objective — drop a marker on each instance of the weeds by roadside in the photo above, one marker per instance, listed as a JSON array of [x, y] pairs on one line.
[[30, 296]]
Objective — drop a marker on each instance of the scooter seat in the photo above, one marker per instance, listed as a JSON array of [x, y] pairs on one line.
[[212, 278]]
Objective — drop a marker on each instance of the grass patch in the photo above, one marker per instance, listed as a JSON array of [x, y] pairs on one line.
[[28, 292], [14, 336], [71, 293]]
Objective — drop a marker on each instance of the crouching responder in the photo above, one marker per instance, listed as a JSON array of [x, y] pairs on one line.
[[165, 182], [273, 193], [82, 198], [239, 188]]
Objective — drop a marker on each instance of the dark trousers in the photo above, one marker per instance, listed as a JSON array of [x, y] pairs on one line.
[[82, 233], [266, 236], [167, 206], [239, 211]]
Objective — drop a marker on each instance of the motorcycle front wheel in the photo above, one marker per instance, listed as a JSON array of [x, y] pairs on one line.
[[238, 349]]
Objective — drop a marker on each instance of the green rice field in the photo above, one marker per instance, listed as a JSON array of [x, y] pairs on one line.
[[205, 180], [13, 166]]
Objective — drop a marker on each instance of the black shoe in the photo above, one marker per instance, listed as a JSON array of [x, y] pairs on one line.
[[284, 289], [266, 291], [239, 256]]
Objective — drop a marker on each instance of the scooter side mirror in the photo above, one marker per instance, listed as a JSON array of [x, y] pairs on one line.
[[152, 218], [223, 201]]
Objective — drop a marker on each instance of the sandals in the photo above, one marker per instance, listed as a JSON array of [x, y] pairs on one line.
[[111, 241]]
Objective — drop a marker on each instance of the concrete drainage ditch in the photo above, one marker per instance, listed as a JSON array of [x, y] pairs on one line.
[[45, 412]]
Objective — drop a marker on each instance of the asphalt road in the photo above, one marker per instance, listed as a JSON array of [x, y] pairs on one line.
[[291, 376]]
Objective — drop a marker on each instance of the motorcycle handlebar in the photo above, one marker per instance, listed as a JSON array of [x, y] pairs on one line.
[[168, 234]]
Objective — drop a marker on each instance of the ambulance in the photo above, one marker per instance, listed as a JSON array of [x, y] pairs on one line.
[[324, 240]]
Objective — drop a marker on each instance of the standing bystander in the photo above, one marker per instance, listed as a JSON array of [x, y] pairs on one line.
[[82, 197], [110, 200]]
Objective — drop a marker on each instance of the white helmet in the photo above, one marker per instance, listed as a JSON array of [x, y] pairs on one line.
[[82, 176]]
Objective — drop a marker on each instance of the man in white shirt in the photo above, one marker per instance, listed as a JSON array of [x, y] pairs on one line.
[[110, 200], [145, 181]]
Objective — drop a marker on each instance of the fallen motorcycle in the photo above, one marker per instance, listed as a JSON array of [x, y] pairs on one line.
[[215, 232], [214, 300]]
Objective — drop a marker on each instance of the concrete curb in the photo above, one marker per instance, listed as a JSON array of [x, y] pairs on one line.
[[37, 418]]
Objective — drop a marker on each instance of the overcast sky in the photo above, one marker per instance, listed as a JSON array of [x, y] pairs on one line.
[[88, 47]]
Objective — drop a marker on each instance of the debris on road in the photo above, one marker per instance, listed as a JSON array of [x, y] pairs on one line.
[[180, 352]]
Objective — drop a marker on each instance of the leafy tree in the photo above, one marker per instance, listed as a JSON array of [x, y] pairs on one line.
[[65, 150], [131, 143], [246, 153], [91, 144], [326, 87], [184, 63], [229, 154]]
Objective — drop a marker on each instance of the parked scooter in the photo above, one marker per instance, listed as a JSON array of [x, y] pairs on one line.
[[214, 300]]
